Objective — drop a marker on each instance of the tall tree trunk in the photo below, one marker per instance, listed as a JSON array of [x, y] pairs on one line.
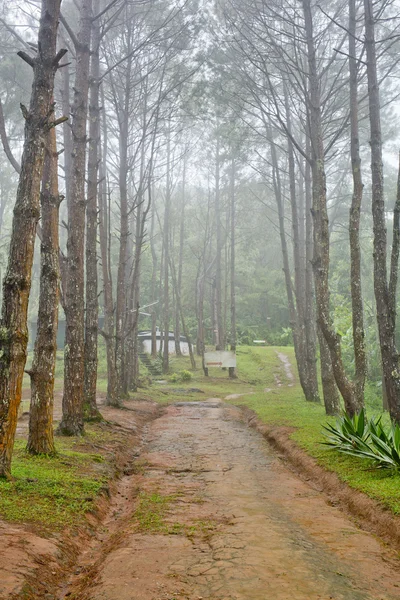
[[166, 255], [385, 293], [112, 398], [72, 405], [219, 330], [180, 258], [200, 323], [329, 389], [321, 222], [286, 265], [17, 282], [91, 412], [354, 222], [232, 370], [308, 377], [153, 285], [67, 134], [41, 435], [122, 260]]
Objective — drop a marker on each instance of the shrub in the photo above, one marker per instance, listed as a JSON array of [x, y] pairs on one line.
[[185, 376], [358, 437], [180, 377]]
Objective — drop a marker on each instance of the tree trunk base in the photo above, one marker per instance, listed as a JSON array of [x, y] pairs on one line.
[[70, 428]]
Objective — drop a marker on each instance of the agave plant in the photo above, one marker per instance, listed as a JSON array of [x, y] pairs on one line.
[[386, 446], [348, 432], [358, 437]]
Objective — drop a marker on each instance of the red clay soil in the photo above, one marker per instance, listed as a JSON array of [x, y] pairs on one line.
[[211, 512], [32, 561], [236, 525]]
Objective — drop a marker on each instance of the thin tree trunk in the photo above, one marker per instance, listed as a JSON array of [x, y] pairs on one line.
[[354, 222], [310, 325], [200, 324], [180, 310], [72, 405], [232, 370], [180, 259], [67, 134], [91, 411], [308, 379], [219, 341], [122, 275], [153, 285], [112, 398], [321, 222], [385, 293], [166, 256], [286, 265], [17, 282]]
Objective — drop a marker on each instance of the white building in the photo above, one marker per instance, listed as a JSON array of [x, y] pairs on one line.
[[145, 342]]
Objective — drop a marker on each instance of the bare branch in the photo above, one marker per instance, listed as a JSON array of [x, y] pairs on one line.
[[28, 59], [5, 143]]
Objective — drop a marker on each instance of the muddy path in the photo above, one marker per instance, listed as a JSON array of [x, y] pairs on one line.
[[212, 513]]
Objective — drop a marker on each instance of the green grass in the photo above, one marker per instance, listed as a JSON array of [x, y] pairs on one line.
[[151, 511], [285, 406], [258, 368], [55, 492]]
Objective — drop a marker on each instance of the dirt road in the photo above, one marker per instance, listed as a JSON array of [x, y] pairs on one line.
[[214, 514]]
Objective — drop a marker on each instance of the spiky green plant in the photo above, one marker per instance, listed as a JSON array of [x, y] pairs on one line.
[[365, 439], [348, 432]]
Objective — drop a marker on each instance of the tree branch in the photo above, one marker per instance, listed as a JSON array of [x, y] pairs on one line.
[[4, 141], [28, 59]]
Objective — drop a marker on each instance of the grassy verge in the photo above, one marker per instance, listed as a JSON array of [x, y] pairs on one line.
[[56, 492], [259, 370]]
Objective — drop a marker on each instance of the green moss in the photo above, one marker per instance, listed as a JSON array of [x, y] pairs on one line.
[[53, 491]]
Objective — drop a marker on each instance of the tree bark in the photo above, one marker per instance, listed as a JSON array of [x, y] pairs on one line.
[[109, 326], [120, 331], [165, 362], [321, 222], [232, 370], [308, 377], [180, 259], [17, 282], [354, 222], [310, 324], [72, 405], [385, 293], [331, 395], [91, 411], [219, 330], [153, 285], [41, 435]]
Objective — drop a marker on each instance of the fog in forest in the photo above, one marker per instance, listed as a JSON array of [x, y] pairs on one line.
[[180, 177]]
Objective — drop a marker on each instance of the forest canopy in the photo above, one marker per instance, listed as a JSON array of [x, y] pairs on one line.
[[216, 171]]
